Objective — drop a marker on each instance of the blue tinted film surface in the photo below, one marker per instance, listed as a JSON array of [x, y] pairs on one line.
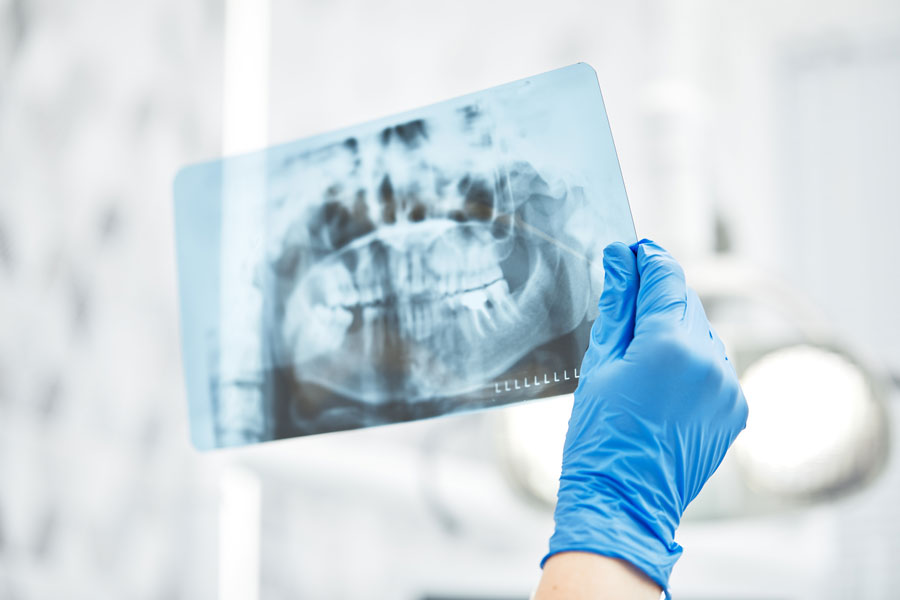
[[441, 260]]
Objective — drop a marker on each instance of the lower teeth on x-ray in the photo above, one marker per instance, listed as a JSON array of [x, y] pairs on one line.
[[445, 260]]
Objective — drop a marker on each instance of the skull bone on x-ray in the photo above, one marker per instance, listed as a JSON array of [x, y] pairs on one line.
[[419, 261]]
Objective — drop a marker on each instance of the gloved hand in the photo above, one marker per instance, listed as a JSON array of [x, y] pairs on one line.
[[657, 406]]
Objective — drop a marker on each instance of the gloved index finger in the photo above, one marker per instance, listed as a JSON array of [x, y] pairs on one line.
[[614, 328], [663, 293]]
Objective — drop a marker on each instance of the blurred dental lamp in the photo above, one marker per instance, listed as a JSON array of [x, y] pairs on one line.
[[817, 428]]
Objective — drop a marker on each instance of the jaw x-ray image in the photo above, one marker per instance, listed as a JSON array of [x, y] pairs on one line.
[[442, 260]]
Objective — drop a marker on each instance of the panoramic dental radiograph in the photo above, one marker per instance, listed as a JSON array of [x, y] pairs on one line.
[[444, 260]]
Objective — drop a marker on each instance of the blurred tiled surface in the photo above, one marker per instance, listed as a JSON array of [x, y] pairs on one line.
[[100, 102]]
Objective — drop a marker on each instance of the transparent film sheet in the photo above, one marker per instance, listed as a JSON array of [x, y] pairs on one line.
[[441, 260]]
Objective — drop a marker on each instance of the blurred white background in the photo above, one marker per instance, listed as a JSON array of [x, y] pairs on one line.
[[767, 130]]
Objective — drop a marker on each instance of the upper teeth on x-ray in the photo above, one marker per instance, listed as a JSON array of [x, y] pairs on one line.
[[415, 271], [444, 261]]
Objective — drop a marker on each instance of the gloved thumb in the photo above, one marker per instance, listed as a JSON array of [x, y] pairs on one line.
[[663, 291], [614, 328]]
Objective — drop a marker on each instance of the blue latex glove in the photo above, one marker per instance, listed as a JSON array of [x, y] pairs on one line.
[[657, 406]]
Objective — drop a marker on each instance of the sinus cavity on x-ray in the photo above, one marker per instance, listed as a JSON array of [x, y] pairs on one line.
[[441, 260]]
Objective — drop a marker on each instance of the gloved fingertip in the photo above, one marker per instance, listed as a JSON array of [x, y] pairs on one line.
[[613, 278], [650, 248], [651, 254], [614, 327], [615, 247], [615, 255], [634, 247], [620, 266]]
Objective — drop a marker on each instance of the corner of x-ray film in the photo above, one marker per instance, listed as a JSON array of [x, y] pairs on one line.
[[441, 260]]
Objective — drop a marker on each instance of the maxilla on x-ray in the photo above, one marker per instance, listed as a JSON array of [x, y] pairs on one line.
[[401, 269]]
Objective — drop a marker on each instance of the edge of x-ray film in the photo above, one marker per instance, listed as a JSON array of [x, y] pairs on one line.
[[440, 260]]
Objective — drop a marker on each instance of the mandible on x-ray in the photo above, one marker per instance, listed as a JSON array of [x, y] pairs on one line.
[[442, 260]]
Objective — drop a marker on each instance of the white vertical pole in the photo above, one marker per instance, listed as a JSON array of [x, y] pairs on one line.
[[244, 128], [239, 541], [245, 109], [679, 110]]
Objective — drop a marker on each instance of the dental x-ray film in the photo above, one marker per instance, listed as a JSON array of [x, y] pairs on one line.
[[441, 260]]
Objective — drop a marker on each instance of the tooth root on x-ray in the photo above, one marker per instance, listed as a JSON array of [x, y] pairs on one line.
[[420, 255]]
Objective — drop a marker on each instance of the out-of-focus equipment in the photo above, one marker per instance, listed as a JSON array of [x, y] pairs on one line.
[[816, 428]]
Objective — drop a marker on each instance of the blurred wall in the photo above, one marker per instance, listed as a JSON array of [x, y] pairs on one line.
[[100, 103]]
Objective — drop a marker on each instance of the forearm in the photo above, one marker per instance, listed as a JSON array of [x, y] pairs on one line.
[[584, 575]]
